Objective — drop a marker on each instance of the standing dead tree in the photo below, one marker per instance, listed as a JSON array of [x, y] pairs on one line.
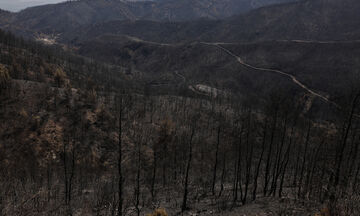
[[258, 166], [188, 166], [344, 141], [120, 170], [216, 160]]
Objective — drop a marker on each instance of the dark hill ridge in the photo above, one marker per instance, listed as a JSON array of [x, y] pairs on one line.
[[307, 20], [70, 15], [82, 20], [4, 11], [313, 64], [145, 29], [324, 20]]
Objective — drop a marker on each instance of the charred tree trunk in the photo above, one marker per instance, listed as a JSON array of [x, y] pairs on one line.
[[257, 170], [268, 160], [287, 159], [223, 175], [137, 187], [237, 183], [188, 166], [343, 144], [278, 159], [304, 160], [249, 159], [120, 172], [153, 179], [216, 161]]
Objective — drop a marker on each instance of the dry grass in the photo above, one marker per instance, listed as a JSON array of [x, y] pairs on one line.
[[158, 212]]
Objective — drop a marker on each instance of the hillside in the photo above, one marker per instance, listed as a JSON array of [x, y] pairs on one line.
[[314, 64], [324, 20], [4, 15], [305, 20], [59, 126], [115, 109], [310, 20], [67, 16]]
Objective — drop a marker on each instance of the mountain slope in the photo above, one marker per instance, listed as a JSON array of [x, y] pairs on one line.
[[307, 20], [324, 20], [4, 15], [68, 16]]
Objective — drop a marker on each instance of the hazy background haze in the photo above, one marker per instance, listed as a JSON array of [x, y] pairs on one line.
[[17, 5]]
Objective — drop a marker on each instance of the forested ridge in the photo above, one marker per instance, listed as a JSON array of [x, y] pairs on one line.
[[78, 138]]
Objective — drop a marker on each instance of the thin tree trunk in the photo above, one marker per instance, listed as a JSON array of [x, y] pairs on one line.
[[223, 175], [287, 158], [353, 155], [279, 153], [304, 160], [249, 160], [344, 141], [184, 203], [154, 175], [120, 173], [312, 167], [216, 161], [296, 170], [237, 182], [268, 160], [48, 183], [257, 171], [71, 176], [355, 181], [137, 189], [65, 174]]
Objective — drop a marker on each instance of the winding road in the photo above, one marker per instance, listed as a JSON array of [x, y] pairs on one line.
[[240, 61], [320, 42], [291, 77]]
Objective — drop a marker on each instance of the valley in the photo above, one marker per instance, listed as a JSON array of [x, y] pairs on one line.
[[293, 78], [179, 107]]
